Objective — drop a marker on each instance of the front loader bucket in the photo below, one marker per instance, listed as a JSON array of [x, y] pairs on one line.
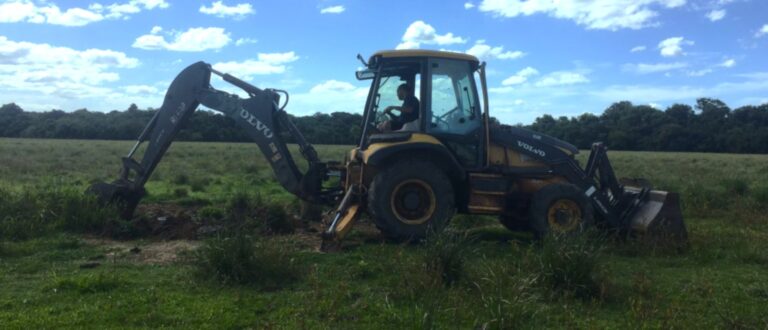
[[118, 195], [659, 218]]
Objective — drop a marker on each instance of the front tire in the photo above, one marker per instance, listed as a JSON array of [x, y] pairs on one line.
[[409, 198], [560, 208]]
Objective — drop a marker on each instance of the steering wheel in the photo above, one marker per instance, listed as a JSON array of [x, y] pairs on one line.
[[442, 118]]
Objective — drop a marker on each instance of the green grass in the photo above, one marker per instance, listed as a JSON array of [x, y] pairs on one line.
[[498, 279]]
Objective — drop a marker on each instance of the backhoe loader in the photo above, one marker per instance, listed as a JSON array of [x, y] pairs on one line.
[[409, 181]]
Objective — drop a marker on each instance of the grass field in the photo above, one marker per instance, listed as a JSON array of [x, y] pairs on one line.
[[57, 271]]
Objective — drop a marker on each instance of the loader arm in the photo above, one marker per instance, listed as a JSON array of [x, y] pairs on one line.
[[259, 115]]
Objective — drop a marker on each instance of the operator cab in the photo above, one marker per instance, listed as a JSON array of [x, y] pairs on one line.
[[443, 83]]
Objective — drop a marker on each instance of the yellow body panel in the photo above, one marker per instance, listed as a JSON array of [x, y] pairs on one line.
[[415, 138]]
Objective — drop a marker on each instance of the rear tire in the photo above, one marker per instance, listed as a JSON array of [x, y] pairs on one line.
[[560, 208], [409, 198]]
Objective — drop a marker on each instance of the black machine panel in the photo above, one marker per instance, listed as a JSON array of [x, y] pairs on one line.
[[539, 146]]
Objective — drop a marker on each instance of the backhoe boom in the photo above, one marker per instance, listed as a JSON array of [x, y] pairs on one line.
[[259, 115]]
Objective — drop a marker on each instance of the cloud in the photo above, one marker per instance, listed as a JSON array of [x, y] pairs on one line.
[[17, 11], [469, 5], [716, 15], [332, 10], [763, 31], [594, 14], [637, 49], [245, 41], [332, 86], [699, 73], [729, 63], [644, 68], [673, 46], [193, 40], [419, 33], [520, 77], [141, 89], [484, 51], [264, 64], [328, 96], [219, 9], [562, 78], [29, 72]]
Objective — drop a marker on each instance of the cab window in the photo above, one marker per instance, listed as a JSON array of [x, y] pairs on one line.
[[454, 108]]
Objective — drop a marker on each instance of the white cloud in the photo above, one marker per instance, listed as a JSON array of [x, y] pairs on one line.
[[192, 40], [763, 31], [673, 46], [644, 68], [562, 78], [699, 73], [332, 10], [16, 11], [245, 41], [152, 4], [264, 64], [45, 74], [219, 9], [328, 96], [729, 63], [637, 49], [469, 5], [332, 86], [520, 77], [716, 15], [594, 14], [419, 33], [156, 29], [484, 51], [141, 89]]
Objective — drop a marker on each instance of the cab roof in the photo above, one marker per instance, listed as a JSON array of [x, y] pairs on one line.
[[424, 53]]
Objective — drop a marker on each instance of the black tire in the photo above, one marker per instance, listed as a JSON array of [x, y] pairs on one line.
[[560, 208], [409, 198]]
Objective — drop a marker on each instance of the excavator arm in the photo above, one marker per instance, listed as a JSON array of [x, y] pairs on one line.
[[260, 115]]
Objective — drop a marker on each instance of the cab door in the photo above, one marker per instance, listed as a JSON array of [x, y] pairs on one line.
[[453, 110]]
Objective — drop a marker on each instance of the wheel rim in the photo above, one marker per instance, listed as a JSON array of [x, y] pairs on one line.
[[413, 202], [564, 215]]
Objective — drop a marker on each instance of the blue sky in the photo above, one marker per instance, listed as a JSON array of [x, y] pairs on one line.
[[562, 57]]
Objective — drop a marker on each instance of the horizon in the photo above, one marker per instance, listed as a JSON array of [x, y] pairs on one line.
[[581, 59]]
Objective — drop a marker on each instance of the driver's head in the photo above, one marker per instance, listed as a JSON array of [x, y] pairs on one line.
[[402, 91]]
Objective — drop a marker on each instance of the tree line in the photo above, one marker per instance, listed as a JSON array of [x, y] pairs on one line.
[[708, 126]]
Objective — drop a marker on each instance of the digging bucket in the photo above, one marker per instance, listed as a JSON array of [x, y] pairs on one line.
[[660, 219], [124, 198]]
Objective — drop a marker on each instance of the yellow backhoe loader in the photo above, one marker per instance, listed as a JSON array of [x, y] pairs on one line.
[[412, 173]]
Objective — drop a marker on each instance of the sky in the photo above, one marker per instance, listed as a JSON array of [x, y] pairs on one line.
[[558, 57]]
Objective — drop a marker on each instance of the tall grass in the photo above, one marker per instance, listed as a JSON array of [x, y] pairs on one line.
[[241, 259], [570, 264], [39, 211]]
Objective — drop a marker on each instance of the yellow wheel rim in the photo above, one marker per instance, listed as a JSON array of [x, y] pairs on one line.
[[413, 202], [564, 215]]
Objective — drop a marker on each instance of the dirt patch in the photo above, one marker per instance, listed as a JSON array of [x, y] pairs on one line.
[[154, 253], [171, 229], [166, 222]]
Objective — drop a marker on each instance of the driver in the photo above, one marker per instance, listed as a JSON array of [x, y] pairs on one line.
[[409, 111]]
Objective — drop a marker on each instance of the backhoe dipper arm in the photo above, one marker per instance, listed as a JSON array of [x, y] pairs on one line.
[[259, 114]]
